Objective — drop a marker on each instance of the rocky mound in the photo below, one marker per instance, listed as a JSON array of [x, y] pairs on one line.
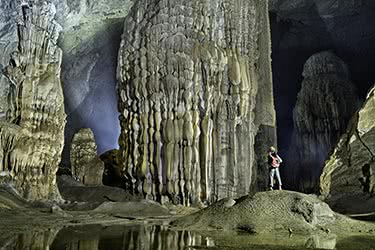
[[269, 212]]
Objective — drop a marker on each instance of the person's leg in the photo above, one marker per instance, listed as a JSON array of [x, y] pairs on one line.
[[278, 178], [272, 176]]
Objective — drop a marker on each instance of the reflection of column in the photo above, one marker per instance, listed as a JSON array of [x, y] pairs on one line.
[[321, 242], [88, 245], [35, 240]]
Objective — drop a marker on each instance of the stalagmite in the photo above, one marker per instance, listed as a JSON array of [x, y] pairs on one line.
[[32, 132], [86, 166], [195, 86]]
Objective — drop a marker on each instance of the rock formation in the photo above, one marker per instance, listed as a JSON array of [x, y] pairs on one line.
[[324, 106], [86, 165], [275, 212], [33, 117], [350, 170], [195, 86]]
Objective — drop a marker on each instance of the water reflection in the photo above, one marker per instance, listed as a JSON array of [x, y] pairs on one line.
[[136, 237], [321, 242], [32, 240], [156, 237]]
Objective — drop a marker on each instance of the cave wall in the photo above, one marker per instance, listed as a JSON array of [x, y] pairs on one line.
[[33, 120], [348, 178], [195, 87]]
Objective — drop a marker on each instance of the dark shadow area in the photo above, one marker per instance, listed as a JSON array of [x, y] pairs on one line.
[[297, 34]]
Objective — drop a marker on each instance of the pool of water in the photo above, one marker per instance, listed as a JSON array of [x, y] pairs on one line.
[[161, 237]]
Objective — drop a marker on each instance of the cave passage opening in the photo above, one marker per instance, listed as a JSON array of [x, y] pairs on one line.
[[299, 33], [89, 76]]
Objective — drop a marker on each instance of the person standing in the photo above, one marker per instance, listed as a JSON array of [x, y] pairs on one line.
[[274, 161]]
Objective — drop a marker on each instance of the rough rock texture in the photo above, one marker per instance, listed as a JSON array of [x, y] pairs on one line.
[[195, 86], [33, 119], [324, 106], [90, 39], [271, 212], [86, 166], [350, 171]]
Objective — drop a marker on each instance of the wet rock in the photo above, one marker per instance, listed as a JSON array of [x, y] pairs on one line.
[[324, 106], [348, 178], [86, 165], [195, 87]]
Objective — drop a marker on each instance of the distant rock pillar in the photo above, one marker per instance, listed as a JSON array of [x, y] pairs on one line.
[[325, 103], [86, 165]]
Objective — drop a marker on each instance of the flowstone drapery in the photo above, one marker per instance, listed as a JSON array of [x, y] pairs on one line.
[[33, 120], [195, 87]]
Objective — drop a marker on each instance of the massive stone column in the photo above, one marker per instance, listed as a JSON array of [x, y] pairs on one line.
[[325, 103], [348, 178], [195, 86], [33, 120]]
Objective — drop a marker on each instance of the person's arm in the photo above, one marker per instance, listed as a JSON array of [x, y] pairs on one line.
[[280, 160]]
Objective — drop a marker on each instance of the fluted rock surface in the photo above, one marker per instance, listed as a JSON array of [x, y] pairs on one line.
[[195, 86], [324, 106], [87, 167], [350, 170], [33, 120]]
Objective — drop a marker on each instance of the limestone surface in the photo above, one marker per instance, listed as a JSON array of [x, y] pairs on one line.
[[350, 170], [86, 165], [195, 86], [33, 116], [275, 212], [325, 103]]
